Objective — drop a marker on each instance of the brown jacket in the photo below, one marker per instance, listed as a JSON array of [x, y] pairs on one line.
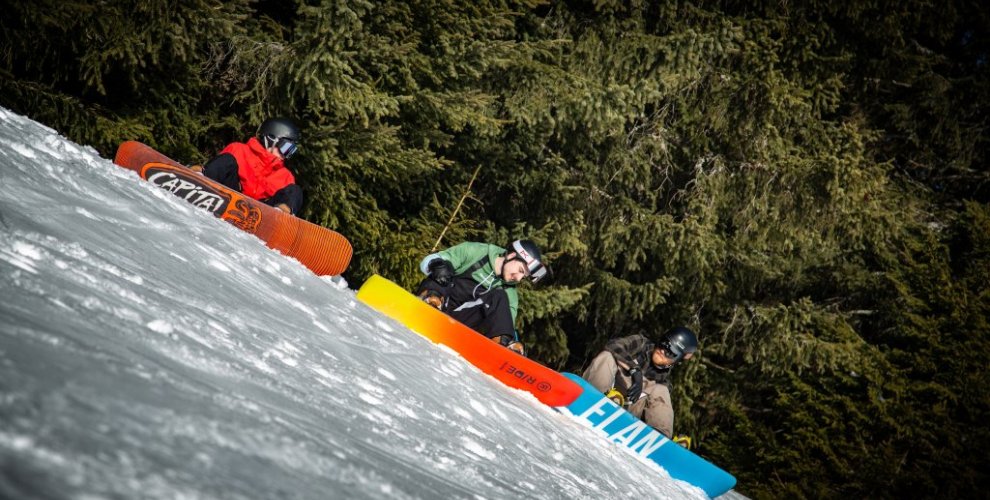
[[611, 367], [636, 350]]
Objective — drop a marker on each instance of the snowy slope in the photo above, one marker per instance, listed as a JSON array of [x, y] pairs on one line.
[[150, 350]]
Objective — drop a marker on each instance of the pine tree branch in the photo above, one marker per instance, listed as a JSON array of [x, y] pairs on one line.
[[460, 202]]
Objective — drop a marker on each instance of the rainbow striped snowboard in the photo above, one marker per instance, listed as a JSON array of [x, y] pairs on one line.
[[513, 370]]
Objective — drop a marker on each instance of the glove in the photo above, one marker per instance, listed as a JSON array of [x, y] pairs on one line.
[[441, 271], [636, 388]]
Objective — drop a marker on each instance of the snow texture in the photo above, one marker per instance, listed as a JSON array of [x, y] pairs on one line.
[[150, 350]]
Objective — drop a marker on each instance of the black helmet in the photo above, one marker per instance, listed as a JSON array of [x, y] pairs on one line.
[[679, 342], [281, 133], [528, 253]]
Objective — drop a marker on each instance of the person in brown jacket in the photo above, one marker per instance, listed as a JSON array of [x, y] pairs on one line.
[[635, 373]]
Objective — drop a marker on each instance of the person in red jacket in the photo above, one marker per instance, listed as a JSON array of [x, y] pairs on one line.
[[257, 168]]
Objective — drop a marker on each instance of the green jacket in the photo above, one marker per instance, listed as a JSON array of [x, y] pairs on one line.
[[465, 255]]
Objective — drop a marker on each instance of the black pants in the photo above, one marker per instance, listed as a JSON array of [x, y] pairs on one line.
[[482, 310], [223, 169], [291, 195]]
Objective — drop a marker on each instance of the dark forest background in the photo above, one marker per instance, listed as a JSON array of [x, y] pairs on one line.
[[805, 184]]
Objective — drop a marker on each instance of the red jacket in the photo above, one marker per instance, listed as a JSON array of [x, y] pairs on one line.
[[262, 173]]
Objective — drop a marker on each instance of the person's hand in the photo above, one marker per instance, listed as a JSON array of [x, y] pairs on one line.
[[441, 271], [636, 388]]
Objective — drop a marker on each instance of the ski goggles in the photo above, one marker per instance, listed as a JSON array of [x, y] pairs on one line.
[[287, 147], [673, 352]]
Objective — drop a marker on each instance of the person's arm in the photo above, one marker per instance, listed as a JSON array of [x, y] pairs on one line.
[[458, 256], [439, 268], [513, 296], [424, 264], [220, 164], [278, 180], [626, 349]]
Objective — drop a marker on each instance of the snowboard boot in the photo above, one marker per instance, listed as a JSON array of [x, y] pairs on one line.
[[432, 298], [616, 397], [510, 343], [682, 440], [517, 347]]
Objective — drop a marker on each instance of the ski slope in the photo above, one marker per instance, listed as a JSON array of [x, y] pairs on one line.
[[150, 350]]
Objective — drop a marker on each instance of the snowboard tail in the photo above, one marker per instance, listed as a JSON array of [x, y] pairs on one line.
[[592, 409], [322, 250]]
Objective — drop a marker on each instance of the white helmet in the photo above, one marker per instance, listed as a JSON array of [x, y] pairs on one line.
[[528, 253]]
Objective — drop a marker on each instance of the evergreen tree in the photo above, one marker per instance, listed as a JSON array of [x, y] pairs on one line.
[[122, 70], [803, 185]]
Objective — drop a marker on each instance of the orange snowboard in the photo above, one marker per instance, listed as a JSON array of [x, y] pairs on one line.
[[323, 251], [513, 370]]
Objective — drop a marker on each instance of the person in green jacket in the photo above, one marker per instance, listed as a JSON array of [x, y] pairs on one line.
[[475, 283]]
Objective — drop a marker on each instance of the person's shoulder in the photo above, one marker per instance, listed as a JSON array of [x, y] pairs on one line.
[[639, 340], [493, 251], [457, 254], [471, 247], [636, 337], [472, 244], [235, 147], [630, 343], [222, 158]]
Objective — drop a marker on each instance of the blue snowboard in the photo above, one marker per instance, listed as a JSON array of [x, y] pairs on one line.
[[594, 410]]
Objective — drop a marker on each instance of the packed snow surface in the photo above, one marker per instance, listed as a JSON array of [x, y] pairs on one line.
[[148, 349]]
